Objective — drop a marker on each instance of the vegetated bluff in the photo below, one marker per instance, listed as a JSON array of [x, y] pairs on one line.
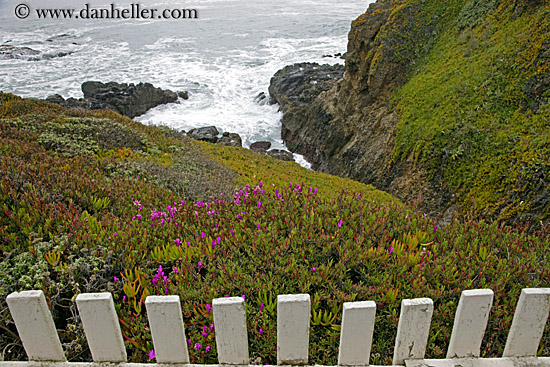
[[443, 100]]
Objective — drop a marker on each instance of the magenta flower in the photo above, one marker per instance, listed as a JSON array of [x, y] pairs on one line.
[[151, 354], [211, 327], [435, 228], [200, 264], [313, 268], [315, 191], [207, 348], [198, 346], [262, 305], [259, 204], [115, 279], [261, 331], [208, 307], [204, 334], [218, 240], [390, 249], [189, 342], [340, 224], [203, 235], [243, 296]]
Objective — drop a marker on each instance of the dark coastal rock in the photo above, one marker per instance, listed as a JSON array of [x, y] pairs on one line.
[[127, 99], [230, 140], [8, 52], [55, 98], [13, 52], [184, 95], [283, 155], [208, 133], [260, 146], [301, 83], [295, 88], [344, 125], [261, 98]]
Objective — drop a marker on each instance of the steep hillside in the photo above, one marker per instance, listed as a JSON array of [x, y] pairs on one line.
[[443, 101], [95, 202]]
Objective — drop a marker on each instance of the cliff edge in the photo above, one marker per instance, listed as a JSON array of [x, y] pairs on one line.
[[442, 102]]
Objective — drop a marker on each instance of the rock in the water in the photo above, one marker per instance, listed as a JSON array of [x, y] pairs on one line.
[[283, 155], [13, 52], [8, 52], [230, 140], [261, 98], [208, 133], [184, 95], [55, 98], [260, 146], [302, 83], [127, 99]]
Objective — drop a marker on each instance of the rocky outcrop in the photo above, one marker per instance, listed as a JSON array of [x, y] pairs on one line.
[[230, 140], [296, 88], [8, 52], [127, 99], [439, 126], [282, 155], [207, 133], [260, 146], [344, 125]]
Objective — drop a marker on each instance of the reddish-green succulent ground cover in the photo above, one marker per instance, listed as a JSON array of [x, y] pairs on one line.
[[92, 201]]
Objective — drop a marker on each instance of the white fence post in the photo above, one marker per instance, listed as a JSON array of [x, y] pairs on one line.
[[528, 323], [413, 329], [35, 326], [470, 323], [356, 333], [293, 315], [167, 329], [231, 334], [98, 315], [37, 331]]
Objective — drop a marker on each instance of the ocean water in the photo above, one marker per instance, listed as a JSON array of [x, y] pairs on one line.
[[224, 58]]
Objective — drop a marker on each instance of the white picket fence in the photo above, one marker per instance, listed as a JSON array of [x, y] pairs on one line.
[[41, 342]]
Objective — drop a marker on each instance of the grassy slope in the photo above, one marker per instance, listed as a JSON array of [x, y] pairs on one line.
[[89, 196], [465, 111]]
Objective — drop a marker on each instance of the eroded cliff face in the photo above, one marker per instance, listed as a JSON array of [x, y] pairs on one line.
[[349, 129], [443, 101]]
